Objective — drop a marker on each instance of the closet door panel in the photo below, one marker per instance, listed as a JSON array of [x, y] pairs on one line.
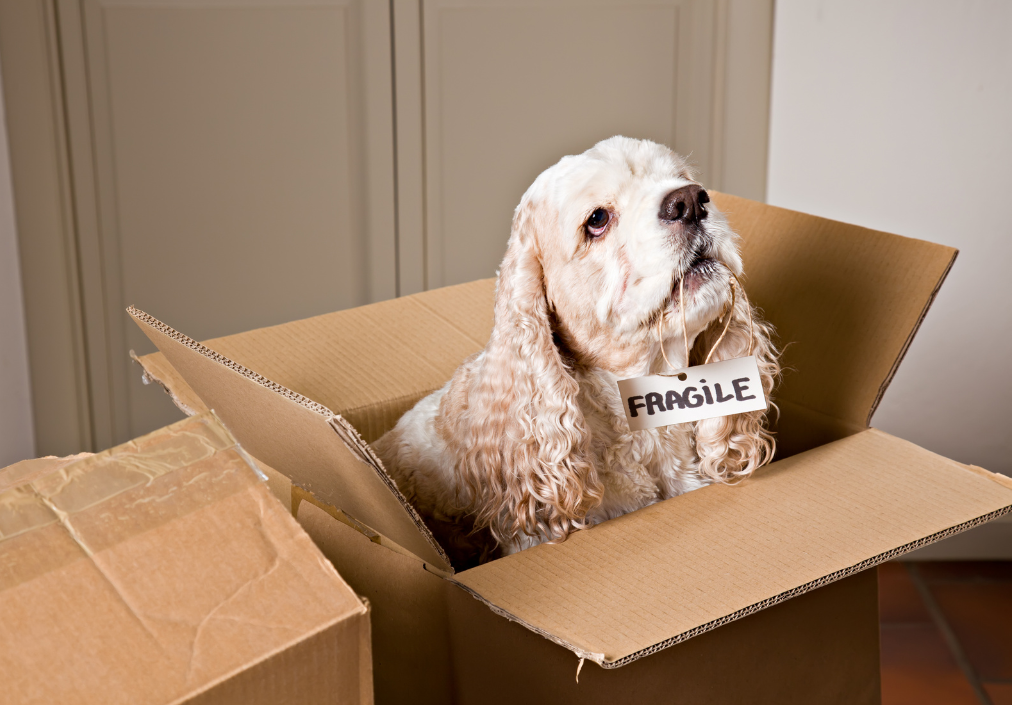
[[510, 88], [243, 171]]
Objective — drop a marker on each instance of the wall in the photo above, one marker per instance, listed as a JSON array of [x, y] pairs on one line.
[[16, 434], [897, 115]]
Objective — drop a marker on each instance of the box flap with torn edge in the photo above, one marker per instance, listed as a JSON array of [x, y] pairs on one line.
[[163, 571], [317, 450], [658, 576]]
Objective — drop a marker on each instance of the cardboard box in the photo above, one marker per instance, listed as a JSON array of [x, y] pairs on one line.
[[163, 571], [751, 593]]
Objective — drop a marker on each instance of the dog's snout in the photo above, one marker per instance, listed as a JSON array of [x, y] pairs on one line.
[[686, 205]]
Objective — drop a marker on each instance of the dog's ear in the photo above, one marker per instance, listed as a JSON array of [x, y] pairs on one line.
[[511, 419], [730, 448]]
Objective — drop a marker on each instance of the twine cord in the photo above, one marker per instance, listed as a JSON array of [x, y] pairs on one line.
[[729, 313], [685, 333]]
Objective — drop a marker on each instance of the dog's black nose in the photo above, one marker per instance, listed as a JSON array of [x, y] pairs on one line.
[[685, 205]]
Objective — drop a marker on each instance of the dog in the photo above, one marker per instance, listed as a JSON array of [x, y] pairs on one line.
[[528, 441]]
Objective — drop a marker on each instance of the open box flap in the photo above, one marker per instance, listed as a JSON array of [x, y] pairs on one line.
[[317, 450], [654, 578], [846, 301], [371, 364]]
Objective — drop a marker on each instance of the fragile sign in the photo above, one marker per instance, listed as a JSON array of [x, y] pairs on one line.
[[701, 392]]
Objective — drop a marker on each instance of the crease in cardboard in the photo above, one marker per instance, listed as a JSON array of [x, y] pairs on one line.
[[451, 323], [348, 435], [64, 519], [190, 696], [23, 510], [247, 457], [351, 438], [212, 613], [300, 495], [119, 494], [389, 401], [906, 345], [95, 479]]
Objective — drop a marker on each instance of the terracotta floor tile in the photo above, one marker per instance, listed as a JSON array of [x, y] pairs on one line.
[[934, 571], [1000, 693], [980, 614], [898, 599], [917, 668]]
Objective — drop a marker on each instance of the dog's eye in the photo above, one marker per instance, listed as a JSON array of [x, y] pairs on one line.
[[597, 223]]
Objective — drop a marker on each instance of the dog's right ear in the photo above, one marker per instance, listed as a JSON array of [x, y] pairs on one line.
[[511, 418]]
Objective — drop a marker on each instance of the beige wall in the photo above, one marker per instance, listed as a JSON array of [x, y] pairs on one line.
[[897, 116], [904, 123], [16, 434]]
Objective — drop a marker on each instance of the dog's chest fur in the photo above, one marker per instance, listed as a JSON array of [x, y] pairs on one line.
[[637, 469]]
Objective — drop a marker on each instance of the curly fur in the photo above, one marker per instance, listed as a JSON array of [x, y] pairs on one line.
[[528, 441]]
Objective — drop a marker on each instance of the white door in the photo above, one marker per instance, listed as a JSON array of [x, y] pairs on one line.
[[233, 168]]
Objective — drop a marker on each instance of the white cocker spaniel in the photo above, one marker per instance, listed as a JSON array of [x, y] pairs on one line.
[[529, 441]]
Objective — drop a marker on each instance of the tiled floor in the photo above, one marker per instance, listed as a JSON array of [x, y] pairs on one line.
[[946, 633]]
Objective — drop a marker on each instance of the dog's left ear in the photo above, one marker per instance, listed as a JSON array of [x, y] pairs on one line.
[[732, 447]]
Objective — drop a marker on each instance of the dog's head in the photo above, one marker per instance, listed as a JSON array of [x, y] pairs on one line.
[[618, 230], [601, 245]]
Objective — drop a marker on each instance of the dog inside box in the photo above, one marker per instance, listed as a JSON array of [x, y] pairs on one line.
[[307, 398]]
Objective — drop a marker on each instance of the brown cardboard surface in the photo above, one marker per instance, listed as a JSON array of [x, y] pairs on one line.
[[661, 575], [819, 648], [299, 438], [371, 364], [411, 643], [162, 570], [846, 299]]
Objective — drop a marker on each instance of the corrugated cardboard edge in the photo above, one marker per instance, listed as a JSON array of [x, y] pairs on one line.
[[906, 345], [344, 430], [600, 660]]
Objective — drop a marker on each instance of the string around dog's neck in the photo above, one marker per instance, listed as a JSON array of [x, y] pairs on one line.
[[729, 312]]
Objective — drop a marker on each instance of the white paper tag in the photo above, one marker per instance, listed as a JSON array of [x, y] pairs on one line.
[[701, 392]]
